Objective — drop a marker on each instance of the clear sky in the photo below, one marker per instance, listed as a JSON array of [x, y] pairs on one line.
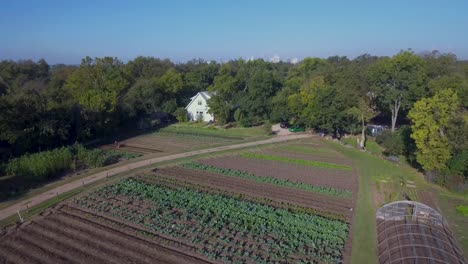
[[65, 31]]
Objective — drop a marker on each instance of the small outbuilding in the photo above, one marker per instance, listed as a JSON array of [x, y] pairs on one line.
[[198, 109]]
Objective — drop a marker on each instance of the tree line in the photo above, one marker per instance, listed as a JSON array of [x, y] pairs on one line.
[[425, 95]]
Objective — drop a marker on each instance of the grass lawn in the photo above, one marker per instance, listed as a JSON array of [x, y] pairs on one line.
[[371, 145], [457, 221], [370, 169], [308, 150]]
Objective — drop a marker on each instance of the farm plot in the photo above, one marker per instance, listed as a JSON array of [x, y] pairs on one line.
[[74, 235], [336, 159], [229, 209], [291, 172], [221, 227], [312, 163], [309, 148], [134, 221], [164, 143], [322, 204], [335, 192]]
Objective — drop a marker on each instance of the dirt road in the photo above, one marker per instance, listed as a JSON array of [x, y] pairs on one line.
[[281, 131], [22, 205]]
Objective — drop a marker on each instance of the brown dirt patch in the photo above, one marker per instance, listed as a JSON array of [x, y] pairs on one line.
[[309, 175]]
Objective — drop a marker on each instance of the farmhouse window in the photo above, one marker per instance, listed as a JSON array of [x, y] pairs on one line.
[[200, 102]]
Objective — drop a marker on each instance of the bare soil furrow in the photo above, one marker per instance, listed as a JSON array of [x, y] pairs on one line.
[[46, 246], [35, 250], [314, 176], [84, 245], [247, 185], [250, 188], [169, 250], [63, 246], [13, 255], [295, 155], [113, 254], [129, 248]]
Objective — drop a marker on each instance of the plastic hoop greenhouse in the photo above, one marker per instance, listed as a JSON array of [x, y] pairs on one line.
[[411, 232]]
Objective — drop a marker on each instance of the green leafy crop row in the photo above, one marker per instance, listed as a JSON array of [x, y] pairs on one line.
[[221, 227], [312, 163], [263, 179]]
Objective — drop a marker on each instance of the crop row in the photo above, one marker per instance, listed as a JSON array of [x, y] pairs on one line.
[[319, 164], [307, 150], [223, 225], [271, 180]]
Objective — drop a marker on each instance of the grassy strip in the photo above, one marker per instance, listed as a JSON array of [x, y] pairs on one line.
[[364, 247], [307, 150], [271, 180], [318, 164], [27, 214]]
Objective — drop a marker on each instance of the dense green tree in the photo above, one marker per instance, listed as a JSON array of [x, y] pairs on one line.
[[147, 67], [97, 86], [398, 82], [430, 118], [152, 95]]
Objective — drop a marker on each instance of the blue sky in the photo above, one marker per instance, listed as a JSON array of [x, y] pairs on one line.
[[66, 31]]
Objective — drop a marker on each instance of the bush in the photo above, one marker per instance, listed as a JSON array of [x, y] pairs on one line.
[[238, 115], [462, 209], [397, 143], [41, 166], [181, 114], [458, 164], [96, 157], [267, 128], [392, 142]]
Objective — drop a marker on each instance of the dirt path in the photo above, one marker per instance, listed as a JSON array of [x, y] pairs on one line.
[[22, 205], [280, 131]]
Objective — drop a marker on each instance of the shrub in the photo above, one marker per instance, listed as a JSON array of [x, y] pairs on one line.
[[181, 114], [42, 165], [267, 128], [458, 164], [238, 115], [96, 157], [397, 143], [392, 142], [462, 209]]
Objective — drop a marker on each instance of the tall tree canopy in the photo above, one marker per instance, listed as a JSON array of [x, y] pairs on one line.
[[430, 118], [398, 82]]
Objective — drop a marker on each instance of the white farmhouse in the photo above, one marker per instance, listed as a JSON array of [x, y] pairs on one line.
[[198, 107]]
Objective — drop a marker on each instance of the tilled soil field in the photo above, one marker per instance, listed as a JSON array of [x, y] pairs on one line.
[[160, 144], [318, 202], [338, 159], [310, 175], [182, 215], [74, 235]]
